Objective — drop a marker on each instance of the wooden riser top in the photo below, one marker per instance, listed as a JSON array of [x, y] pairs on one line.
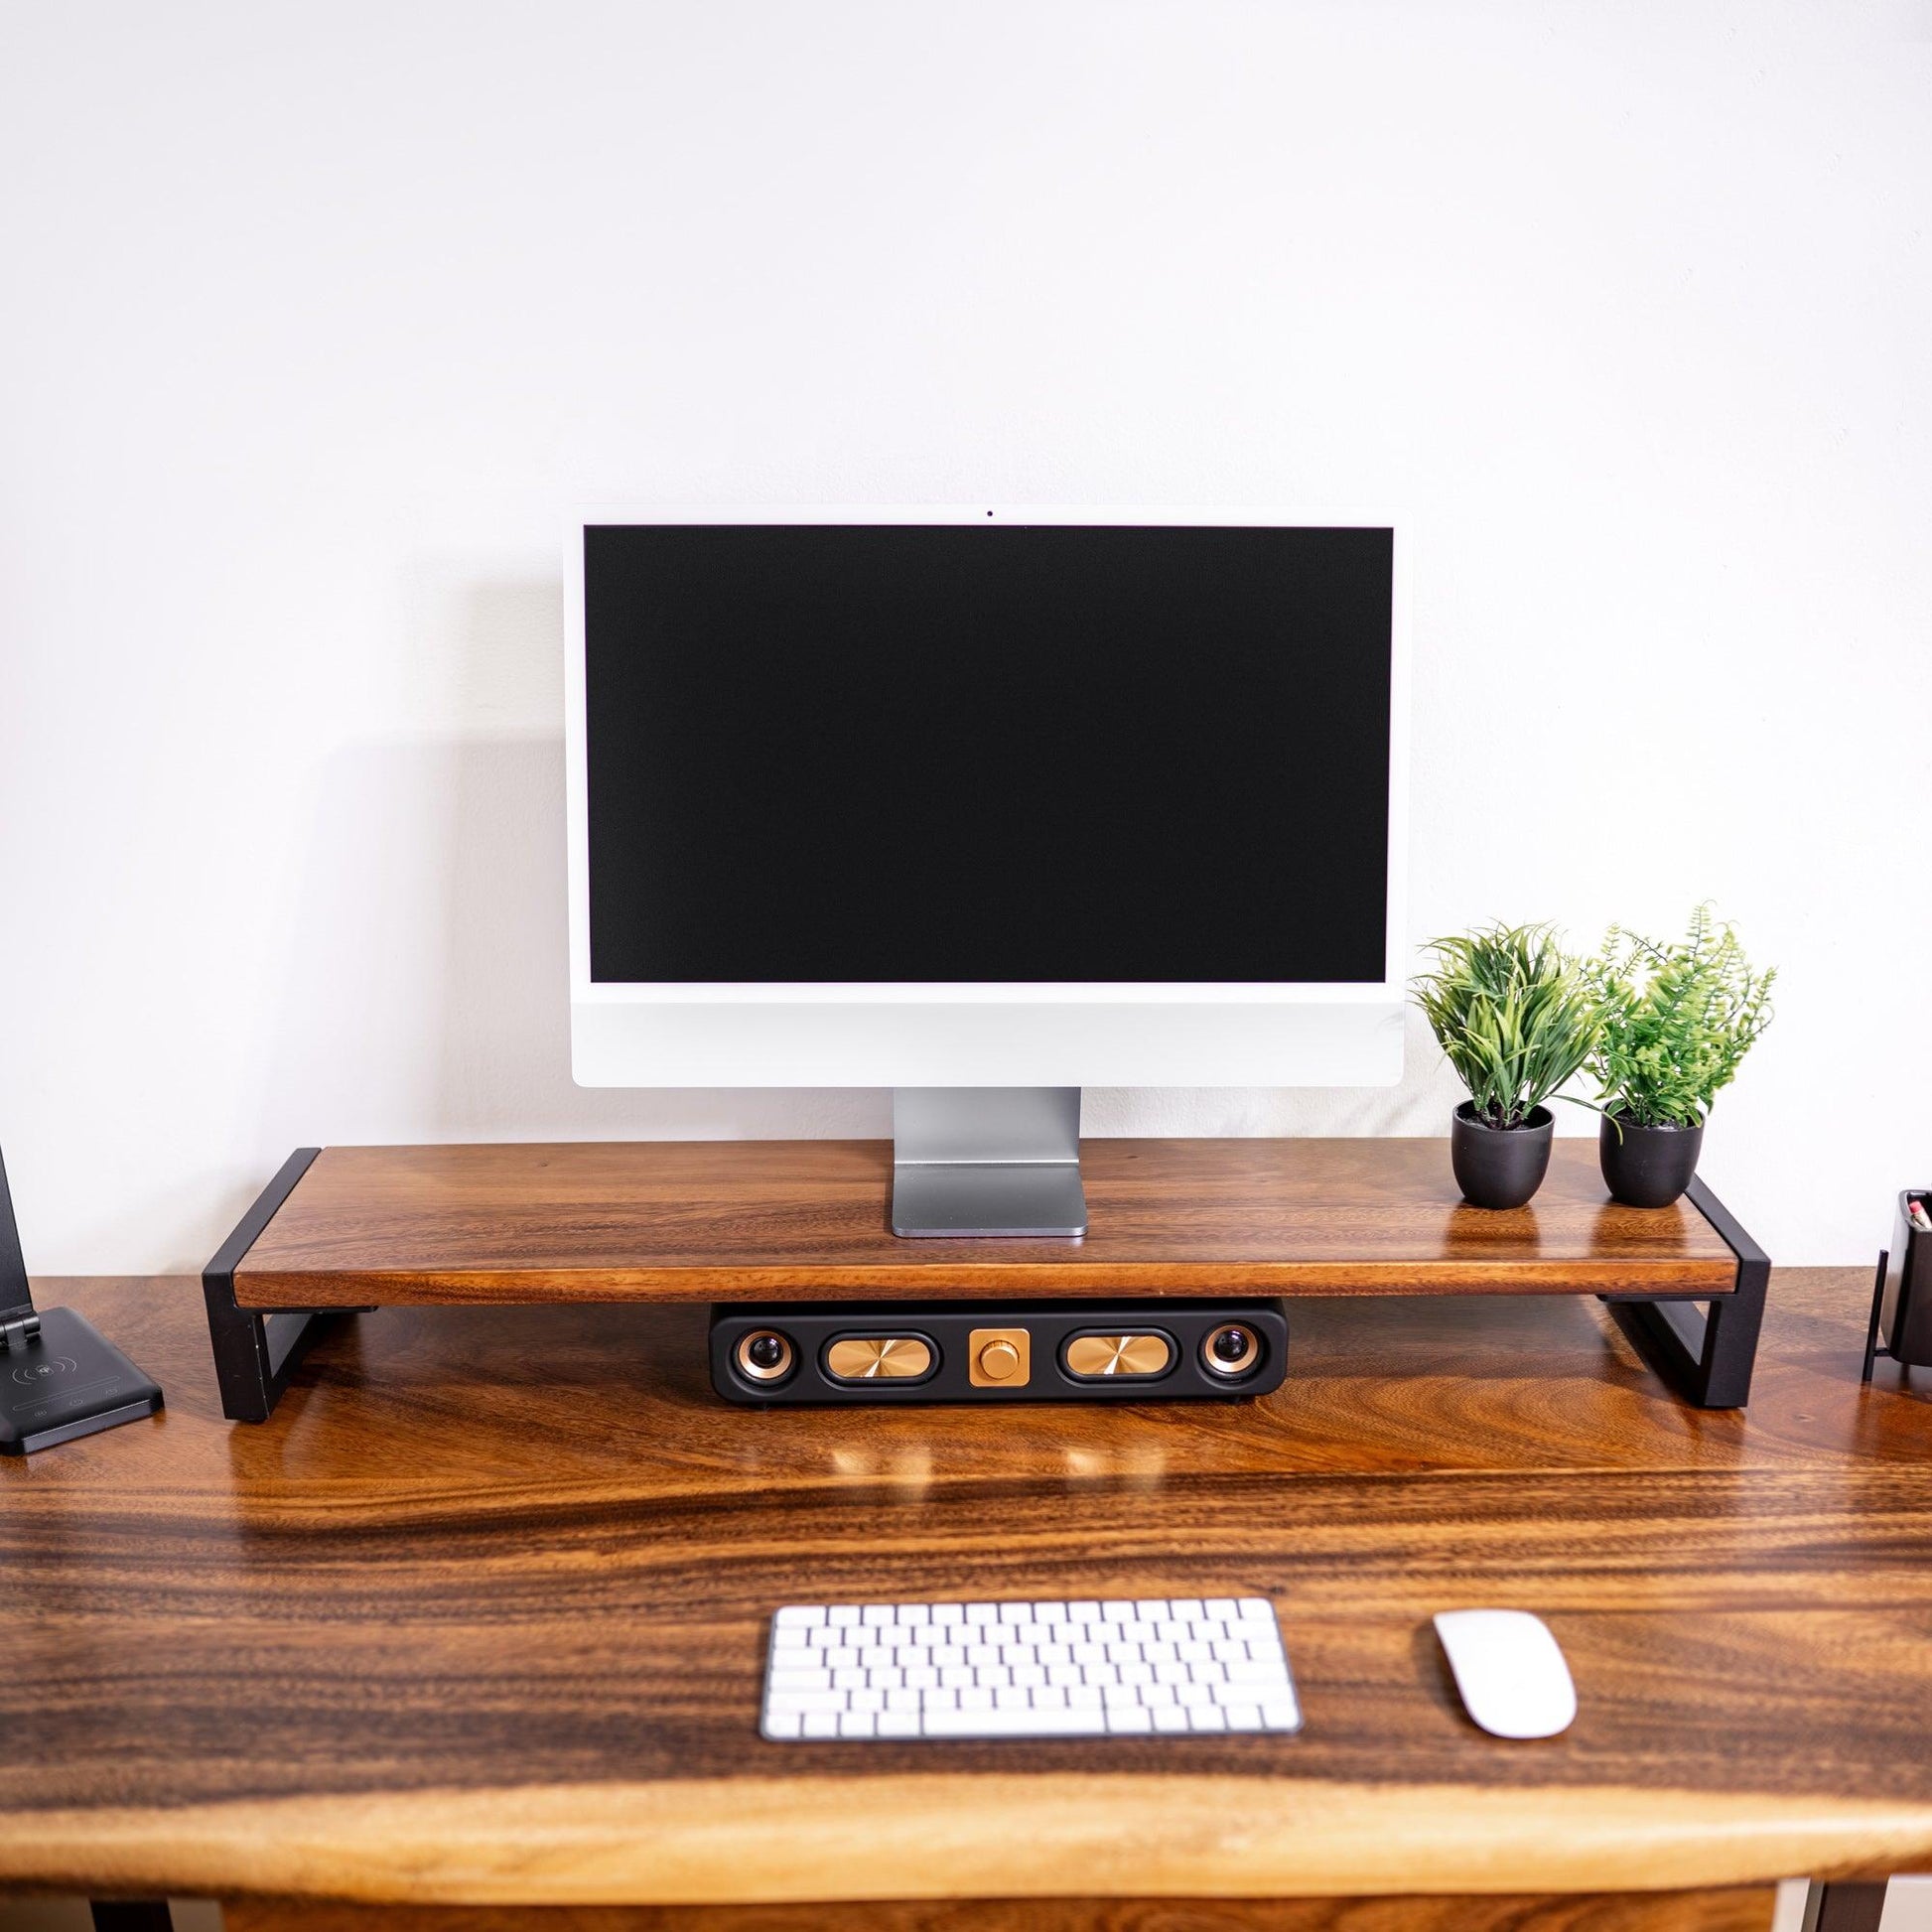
[[805, 1220]]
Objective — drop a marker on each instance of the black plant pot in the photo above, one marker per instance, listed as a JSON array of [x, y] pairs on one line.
[[1499, 1167], [1647, 1166]]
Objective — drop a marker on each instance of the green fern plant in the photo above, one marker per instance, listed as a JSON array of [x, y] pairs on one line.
[[1513, 1014], [1677, 1021]]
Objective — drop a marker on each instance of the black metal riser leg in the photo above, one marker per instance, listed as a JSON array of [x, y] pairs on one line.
[[1708, 1359], [132, 1916], [255, 1352]]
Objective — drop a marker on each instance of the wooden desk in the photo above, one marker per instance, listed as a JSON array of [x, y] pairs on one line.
[[433, 1636]]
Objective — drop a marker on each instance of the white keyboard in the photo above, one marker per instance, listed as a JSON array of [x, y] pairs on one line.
[[1028, 1670]]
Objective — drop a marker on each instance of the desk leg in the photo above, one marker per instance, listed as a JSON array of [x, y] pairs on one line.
[[132, 1916], [256, 1352], [1841, 1907], [1708, 1359]]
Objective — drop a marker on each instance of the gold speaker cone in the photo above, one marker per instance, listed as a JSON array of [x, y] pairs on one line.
[[1242, 1342], [764, 1341], [1092, 1356], [877, 1358]]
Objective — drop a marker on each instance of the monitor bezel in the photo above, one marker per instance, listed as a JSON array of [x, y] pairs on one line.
[[588, 992]]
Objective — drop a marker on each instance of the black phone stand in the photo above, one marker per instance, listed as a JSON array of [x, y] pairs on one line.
[[59, 1376]]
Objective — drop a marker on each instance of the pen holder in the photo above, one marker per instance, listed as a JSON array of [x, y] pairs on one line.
[[1902, 1295]]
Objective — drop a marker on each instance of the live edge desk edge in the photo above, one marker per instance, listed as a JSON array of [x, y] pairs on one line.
[[725, 1221]]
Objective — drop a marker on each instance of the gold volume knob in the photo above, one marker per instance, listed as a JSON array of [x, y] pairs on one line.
[[999, 1361]]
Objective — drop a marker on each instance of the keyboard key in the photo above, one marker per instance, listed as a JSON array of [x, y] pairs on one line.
[[1129, 1717], [1169, 1716], [1013, 1723], [783, 1679], [1207, 1716], [1258, 1673], [898, 1724], [806, 1701], [782, 1724], [799, 1615], [1243, 1717], [821, 1724], [1258, 1609], [857, 1723]]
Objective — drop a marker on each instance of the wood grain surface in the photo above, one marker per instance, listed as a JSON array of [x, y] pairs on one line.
[[1734, 1910], [478, 1618], [661, 1220]]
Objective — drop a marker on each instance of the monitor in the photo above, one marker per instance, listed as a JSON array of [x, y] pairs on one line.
[[985, 805]]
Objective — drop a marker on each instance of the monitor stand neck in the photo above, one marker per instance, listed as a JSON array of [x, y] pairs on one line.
[[987, 1160]]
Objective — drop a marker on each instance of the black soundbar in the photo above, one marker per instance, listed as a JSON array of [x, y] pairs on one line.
[[997, 1352]]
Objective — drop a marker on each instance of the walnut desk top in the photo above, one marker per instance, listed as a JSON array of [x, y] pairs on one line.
[[433, 1634]]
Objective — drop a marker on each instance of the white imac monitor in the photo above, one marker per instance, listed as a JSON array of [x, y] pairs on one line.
[[985, 805]]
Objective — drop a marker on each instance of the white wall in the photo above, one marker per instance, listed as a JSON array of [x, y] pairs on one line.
[[311, 319]]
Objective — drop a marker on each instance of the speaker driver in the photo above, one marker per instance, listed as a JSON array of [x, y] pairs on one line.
[[1231, 1350], [878, 1358], [764, 1355], [1090, 1358]]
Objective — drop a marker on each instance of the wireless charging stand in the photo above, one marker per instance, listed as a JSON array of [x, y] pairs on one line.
[[59, 1376]]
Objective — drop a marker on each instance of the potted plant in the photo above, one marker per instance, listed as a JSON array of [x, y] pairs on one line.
[[1516, 1019], [1677, 1021]]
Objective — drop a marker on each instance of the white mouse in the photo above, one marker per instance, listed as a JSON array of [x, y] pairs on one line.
[[1509, 1672]]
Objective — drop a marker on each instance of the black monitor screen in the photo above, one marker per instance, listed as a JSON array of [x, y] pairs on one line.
[[893, 752]]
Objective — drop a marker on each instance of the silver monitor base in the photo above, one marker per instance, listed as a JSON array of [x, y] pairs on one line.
[[987, 1160]]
